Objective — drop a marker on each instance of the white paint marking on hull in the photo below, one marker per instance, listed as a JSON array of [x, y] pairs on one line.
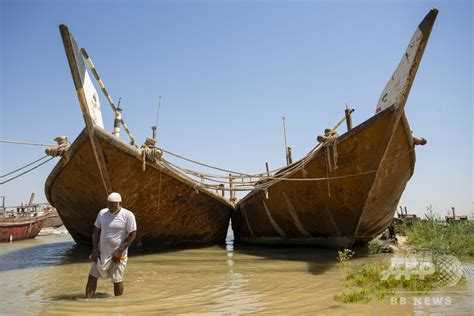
[[248, 224], [292, 211], [272, 221]]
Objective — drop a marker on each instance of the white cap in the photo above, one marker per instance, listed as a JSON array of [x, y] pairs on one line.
[[114, 197]]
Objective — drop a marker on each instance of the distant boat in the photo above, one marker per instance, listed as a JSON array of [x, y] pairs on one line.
[[340, 195], [170, 209], [52, 217], [25, 222]]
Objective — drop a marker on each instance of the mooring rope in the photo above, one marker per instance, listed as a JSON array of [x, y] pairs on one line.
[[25, 143], [27, 171], [21, 168], [206, 165]]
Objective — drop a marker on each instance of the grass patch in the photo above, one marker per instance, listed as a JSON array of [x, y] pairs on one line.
[[453, 238], [367, 284]]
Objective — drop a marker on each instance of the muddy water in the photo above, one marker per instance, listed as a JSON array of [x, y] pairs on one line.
[[47, 275]]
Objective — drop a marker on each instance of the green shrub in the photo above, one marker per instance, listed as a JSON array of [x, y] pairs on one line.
[[453, 238]]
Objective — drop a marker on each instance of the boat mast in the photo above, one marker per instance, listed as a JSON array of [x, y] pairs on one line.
[[30, 203], [155, 127]]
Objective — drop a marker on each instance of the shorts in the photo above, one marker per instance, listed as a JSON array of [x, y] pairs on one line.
[[115, 272]]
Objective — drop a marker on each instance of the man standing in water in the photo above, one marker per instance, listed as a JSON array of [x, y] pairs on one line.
[[114, 231]]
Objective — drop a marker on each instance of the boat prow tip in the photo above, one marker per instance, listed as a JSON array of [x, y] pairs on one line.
[[427, 24]]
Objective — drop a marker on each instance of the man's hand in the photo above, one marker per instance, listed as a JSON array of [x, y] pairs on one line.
[[95, 254], [117, 255]]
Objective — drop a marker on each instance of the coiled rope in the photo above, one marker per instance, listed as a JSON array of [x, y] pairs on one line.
[[61, 149]]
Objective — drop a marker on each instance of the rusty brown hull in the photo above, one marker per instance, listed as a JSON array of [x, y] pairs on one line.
[[170, 211], [357, 202]]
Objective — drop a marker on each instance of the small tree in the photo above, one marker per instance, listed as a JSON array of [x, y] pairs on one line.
[[431, 214]]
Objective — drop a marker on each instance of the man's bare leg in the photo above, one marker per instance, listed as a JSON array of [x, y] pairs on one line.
[[91, 286], [118, 289]]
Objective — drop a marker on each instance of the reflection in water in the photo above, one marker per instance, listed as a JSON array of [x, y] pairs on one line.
[[48, 275]]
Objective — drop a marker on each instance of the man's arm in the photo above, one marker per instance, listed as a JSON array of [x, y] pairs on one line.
[[95, 244], [124, 245]]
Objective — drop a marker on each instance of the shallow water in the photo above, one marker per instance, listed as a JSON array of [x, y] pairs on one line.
[[47, 275]]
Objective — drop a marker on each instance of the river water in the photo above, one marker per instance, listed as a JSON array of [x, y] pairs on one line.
[[47, 275]]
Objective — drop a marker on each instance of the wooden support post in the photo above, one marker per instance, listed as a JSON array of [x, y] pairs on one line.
[[454, 214], [348, 117], [287, 149], [288, 154], [221, 187], [233, 198]]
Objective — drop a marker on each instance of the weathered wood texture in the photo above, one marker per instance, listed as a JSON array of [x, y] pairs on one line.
[[358, 205], [311, 212], [169, 209]]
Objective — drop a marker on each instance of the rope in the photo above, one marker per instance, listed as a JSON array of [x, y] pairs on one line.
[[248, 185], [25, 143], [60, 150], [329, 141], [297, 179], [206, 165], [205, 176], [31, 163], [149, 152], [27, 171]]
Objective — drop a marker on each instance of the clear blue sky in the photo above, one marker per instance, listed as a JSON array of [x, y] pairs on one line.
[[228, 71]]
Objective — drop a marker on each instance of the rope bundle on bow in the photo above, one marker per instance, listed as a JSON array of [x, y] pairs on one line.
[[63, 146], [329, 141], [149, 152]]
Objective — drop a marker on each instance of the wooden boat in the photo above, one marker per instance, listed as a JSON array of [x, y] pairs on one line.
[[170, 209], [19, 228], [52, 217], [24, 223], [311, 202]]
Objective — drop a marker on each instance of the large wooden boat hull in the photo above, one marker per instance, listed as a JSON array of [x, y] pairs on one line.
[[170, 209], [20, 229], [355, 201], [337, 211]]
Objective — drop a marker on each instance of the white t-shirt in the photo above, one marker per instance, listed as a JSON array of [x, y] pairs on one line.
[[114, 229]]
